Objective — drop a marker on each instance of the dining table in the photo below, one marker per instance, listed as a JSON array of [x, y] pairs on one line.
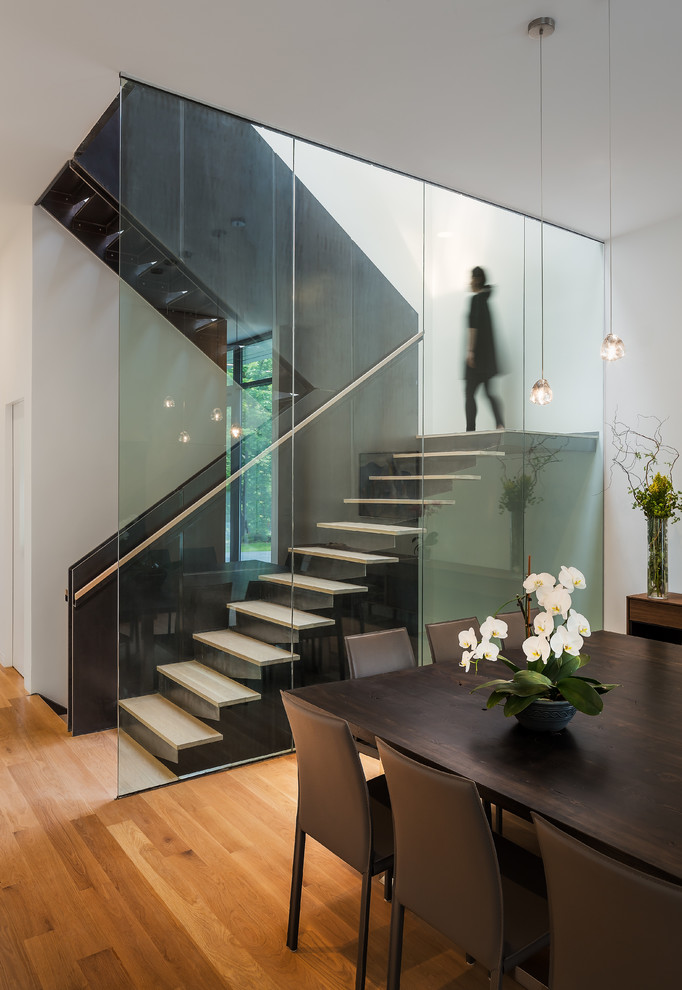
[[613, 780]]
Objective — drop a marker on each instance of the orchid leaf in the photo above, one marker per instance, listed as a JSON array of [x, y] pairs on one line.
[[509, 663], [495, 698], [568, 666], [531, 682], [514, 705], [581, 694]]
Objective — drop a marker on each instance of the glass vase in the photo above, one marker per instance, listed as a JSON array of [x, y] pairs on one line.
[[657, 557]]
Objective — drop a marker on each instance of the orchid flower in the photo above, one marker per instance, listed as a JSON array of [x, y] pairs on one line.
[[577, 623], [466, 660], [486, 651], [536, 648], [494, 628], [558, 601], [467, 639], [564, 641], [571, 578], [535, 581], [543, 624]]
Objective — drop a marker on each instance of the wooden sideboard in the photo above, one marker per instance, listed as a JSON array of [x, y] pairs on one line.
[[655, 618]]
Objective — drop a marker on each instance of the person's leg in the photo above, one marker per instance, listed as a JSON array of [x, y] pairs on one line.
[[495, 405], [472, 384]]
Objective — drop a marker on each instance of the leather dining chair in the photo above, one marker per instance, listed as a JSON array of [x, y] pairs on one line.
[[610, 924], [516, 632], [443, 637], [338, 807], [379, 652], [450, 877]]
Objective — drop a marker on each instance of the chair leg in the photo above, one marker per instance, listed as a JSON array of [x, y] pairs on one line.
[[395, 948], [388, 885], [363, 931], [496, 979], [296, 885]]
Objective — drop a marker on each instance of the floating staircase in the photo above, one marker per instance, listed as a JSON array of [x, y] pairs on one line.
[[285, 608]]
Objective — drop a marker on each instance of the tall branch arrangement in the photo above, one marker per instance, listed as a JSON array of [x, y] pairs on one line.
[[641, 456]]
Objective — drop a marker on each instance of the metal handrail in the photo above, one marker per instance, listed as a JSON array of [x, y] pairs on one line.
[[185, 513]]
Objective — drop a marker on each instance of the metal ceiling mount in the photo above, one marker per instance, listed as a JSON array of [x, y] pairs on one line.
[[541, 27]]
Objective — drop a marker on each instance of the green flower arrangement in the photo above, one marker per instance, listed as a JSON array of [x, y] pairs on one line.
[[638, 455]]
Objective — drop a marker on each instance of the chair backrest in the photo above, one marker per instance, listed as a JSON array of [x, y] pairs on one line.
[[443, 637], [333, 801], [448, 874], [610, 925], [516, 628], [379, 652]]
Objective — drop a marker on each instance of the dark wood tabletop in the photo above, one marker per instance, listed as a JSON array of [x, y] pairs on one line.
[[615, 778]]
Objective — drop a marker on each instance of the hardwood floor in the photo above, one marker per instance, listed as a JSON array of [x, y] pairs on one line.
[[181, 888]]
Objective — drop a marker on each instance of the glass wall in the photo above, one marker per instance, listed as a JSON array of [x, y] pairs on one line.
[[294, 460]]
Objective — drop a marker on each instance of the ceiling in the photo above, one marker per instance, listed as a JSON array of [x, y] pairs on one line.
[[446, 90]]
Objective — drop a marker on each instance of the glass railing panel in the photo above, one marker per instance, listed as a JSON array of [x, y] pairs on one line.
[[564, 511], [461, 234], [359, 269], [207, 204], [357, 517]]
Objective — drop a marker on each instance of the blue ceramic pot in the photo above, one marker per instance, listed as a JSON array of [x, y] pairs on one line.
[[543, 715]]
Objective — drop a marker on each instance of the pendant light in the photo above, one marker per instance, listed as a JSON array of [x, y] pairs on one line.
[[612, 346], [541, 393]]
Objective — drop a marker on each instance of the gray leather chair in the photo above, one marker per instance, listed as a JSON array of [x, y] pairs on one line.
[[379, 652], [516, 632], [451, 876], [339, 808], [443, 637], [610, 924]]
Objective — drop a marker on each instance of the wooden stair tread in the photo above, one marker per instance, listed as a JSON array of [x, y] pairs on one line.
[[453, 453], [352, 556], [137, 768], [281, 615], [208, 684], [378, 528], [170, 723], [308, 583], [245, 647], [424, 477], [399, 501]]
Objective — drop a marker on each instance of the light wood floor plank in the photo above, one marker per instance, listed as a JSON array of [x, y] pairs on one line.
[[181, 888]]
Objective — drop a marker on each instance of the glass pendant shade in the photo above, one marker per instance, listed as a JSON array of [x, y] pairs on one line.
[[217, 415], [612, 347], [541, 392], [184, 437]]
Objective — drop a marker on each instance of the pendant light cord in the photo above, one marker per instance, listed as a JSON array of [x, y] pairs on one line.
[[610, 184], [542, 231]]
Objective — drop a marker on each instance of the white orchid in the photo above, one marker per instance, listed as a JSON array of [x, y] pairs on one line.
[[577, 623], [564, 641], [467, 639], [466, 660], [494, 628], [535, 581], [543, 624], [571, 578], [536, 648], [554, 655], [557, 601], [486, 651]]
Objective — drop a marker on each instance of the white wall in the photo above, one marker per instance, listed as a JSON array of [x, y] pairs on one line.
[[74, 435], [15, 384], [647, 266]]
